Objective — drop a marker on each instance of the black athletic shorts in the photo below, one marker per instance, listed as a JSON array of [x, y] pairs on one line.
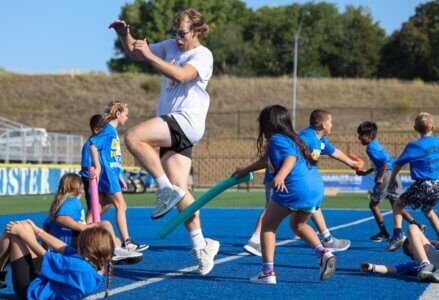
[[24, 270], [179, 141]]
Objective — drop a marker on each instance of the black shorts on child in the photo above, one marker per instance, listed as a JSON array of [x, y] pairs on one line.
[[24, 270]]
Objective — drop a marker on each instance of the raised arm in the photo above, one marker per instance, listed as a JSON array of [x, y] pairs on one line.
[[123, 31]]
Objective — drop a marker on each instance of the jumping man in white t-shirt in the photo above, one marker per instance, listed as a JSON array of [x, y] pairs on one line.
[[186, 66]]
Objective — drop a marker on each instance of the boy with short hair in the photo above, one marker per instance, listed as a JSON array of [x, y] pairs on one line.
[[382, 165], [423, 157]]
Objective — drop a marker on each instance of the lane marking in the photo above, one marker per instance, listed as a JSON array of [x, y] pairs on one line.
[[184, 271]]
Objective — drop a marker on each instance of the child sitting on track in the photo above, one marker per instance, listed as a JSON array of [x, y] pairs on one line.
[[382, 165], [425, 254], [423, 157], [66, 219], [59, 274], [298, 190]]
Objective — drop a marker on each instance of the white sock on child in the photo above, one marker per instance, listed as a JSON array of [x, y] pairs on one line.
[[163, 182], [325, 235], [197, 238]]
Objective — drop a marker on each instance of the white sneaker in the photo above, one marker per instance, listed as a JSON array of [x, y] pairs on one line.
[[262, 278], [123, 256], [327, 265], [166, 199], [206, 256], [253, 248]]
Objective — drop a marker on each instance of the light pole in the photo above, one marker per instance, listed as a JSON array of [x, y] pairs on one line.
[[296, 49]]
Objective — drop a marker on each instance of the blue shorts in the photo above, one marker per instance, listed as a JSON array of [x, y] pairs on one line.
[[407, 268]]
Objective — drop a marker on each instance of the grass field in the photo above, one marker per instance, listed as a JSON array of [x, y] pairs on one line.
[[233, 199]]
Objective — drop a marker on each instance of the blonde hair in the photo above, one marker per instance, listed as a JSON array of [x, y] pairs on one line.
[[195, 19], [424, 123], [96, 245], [70, 185], [111, 110]]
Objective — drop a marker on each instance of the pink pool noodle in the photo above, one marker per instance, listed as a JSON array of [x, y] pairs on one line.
[[94, 197]]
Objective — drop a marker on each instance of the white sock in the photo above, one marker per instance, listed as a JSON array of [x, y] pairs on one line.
[[163, 182], [427, 262], [256, 238], [325, 235], [197, 238]]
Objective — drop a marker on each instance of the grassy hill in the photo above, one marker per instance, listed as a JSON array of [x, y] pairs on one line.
[[62, 104]]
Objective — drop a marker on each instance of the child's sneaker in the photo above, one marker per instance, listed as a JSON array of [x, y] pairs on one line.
[[3, 284], [425, 273], [396, 242], [206, 256], [334, 245], [166, 199], [253, 248], [123, 256], [131, 245], [380, 237], [327, 265], [263, 278]]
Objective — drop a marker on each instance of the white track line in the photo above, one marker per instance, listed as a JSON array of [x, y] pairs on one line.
[[432, 292], [184, 271]]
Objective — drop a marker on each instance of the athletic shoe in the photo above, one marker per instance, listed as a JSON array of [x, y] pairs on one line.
[[166, 199], [380, 237], [425, 273], [253, 248], [131, 245], [422, 227], [396, 242], [206, 256], [3, 284], [123, 256], [327, 265], [263, 278], [334, 245]]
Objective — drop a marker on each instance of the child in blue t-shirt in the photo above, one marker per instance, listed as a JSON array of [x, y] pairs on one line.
[[66, 219], [107, 160], [424, 255], [297, 191], [65, 273], [382, 165], [423, 157], [95, 127]]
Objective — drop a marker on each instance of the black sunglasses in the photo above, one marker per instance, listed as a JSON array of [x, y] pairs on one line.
[[181, 34]]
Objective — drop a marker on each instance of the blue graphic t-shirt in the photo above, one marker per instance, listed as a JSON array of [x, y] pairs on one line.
[[317, 146], [110, 157], [378, 156], [64, 276], [304, 183], [423, 156], [72, 208], [86, 160]]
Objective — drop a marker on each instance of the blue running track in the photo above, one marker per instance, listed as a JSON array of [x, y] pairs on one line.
[[168, 270]]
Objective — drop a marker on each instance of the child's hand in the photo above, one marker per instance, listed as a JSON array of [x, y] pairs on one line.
[[14, 227], [95, 174], [379, 180], [279, 184], [123, 185], [392, 186], [239, 173]]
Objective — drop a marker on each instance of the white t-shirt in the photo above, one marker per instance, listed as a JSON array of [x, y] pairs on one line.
[[188, 102]]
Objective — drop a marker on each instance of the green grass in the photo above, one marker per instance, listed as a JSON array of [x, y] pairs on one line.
[[27, 204]]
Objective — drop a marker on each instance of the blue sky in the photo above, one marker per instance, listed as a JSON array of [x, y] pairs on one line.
[[51, 36]]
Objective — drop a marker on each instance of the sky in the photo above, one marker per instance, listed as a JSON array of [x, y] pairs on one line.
[[52, 36]]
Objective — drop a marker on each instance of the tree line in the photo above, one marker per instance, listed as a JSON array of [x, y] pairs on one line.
[[260, 42]]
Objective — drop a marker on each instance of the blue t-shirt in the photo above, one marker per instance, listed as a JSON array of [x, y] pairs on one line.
[[317, 145], [110, 157], [423, 156], [72, 208], [304, 183], [378, 156], [64, 276], [86, 160]]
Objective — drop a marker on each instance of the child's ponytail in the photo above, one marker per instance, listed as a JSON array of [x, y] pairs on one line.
[[111, 110]]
